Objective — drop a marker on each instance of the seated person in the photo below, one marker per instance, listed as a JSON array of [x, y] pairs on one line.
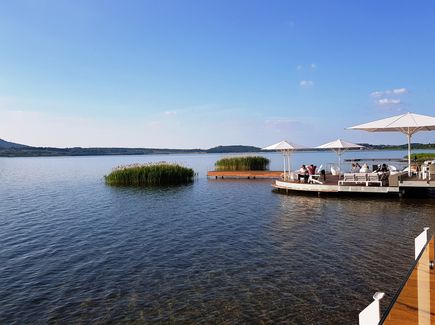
[[303, 173], [323, 175], [364, 169], [355, 167], [311, 169]]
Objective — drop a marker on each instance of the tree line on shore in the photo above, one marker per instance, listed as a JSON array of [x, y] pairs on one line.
[[9, 149]]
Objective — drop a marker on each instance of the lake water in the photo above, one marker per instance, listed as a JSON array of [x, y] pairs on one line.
[[73, 250]]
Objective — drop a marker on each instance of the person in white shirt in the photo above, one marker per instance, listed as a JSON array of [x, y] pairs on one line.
[[364, 169]]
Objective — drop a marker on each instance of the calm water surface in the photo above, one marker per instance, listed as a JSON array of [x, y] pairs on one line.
[[73, 250]]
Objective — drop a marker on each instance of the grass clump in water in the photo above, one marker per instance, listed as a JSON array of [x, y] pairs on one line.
[[242, 163], [421, 157], [151, 174]]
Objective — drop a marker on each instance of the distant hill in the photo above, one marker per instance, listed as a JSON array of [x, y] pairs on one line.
[[10, 149], [423, 146], [11, 145], [234, 148]]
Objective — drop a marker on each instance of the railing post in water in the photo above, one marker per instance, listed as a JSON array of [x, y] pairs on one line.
[[371, 315], [420, 242]]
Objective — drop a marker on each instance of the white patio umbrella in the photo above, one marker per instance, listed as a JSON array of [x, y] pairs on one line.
[[286, 149], [408, 124], [339, 146]]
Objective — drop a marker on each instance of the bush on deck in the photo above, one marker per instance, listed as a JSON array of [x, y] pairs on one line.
[[150, 174], [242, 163]]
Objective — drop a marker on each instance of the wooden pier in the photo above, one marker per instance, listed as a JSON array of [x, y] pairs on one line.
[[399, 185], [249, 174], [333, 188]]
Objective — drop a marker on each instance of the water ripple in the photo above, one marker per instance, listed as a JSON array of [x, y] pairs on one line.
[[73, 250]]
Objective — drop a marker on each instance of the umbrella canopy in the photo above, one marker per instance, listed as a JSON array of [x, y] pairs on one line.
[[339, 146], [409, 124], [286, 148], [283, 145]]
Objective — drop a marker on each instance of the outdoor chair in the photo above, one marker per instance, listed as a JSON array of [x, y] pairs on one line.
[[347, 178], [361, 178], [432, 172], [373, 178], [316, 177]]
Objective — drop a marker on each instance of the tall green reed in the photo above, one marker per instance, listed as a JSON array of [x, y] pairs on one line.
[[150, 175], [242, 163]]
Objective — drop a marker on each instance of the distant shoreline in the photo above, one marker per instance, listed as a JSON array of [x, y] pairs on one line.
[[77, 152]]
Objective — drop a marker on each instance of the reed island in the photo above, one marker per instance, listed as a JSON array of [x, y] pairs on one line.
[[151, 174], [242, 163]]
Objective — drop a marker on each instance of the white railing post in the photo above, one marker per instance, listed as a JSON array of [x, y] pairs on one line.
[[420, 242], [371, 315], [423, 279]]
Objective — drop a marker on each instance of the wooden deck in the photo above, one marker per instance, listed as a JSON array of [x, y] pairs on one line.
[[415, 303], [331, 186], [250, 174], [399, 187]]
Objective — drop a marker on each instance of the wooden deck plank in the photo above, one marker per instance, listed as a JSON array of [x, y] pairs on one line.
[[331, 187], [245, 174], [416, 302]]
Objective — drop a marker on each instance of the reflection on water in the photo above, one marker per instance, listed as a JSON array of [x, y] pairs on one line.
[[217, 251]]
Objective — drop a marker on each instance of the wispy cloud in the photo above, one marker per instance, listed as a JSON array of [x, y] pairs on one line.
[[388, 101], [399, 91], [395, 91], [388, 98], [170, 113], [306, 83], [282, 124], [311, 67], [376, 94]]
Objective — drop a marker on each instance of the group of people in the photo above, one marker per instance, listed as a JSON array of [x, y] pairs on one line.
[[357, 168], [305, 172]]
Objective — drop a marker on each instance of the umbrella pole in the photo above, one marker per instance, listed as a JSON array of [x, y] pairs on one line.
[[283, 155], [409, 155], [339, 163], [288, 162]]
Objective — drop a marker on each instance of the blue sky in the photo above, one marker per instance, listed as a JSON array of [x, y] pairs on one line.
[[195, 74]]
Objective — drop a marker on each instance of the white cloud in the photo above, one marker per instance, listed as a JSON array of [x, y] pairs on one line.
[[376, 94], [395, 91], [170, 113], [306, 83], [281, 123], [311, 67], [399, 91], [388, 101]]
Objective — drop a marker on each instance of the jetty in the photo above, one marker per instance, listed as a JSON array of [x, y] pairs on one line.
[[381, 180], [249, 174], [358, 183]]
